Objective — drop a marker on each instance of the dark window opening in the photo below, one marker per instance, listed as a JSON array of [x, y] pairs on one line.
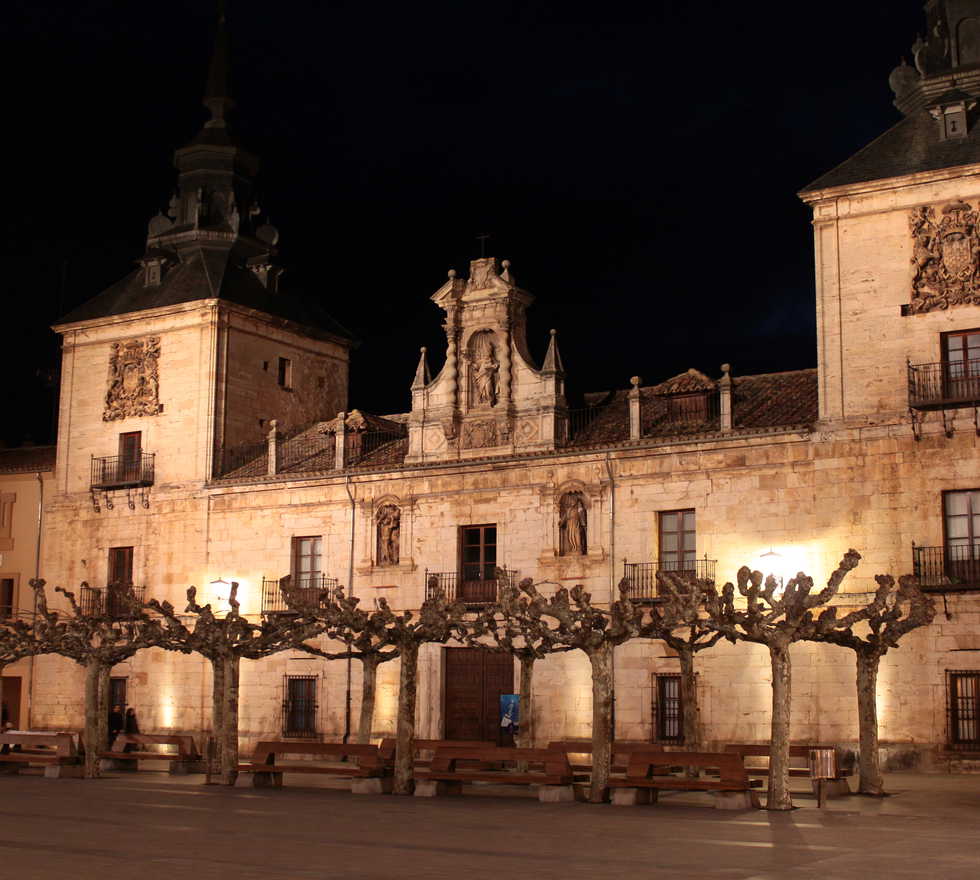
[[688, 407], [6, 598], [668, 720], [285, 375], [120, 566], [478, 563], [963, 693], [299, 706]]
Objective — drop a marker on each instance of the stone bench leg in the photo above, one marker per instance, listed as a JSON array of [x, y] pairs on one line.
[[436, 788], [556, 794], [631, 797], [64, 771], [372, 785], [270, 779], [736, 800]]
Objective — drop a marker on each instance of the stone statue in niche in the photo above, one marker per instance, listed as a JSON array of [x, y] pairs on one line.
[[134, 380], [485, 369], [389, 533], [572, 522]]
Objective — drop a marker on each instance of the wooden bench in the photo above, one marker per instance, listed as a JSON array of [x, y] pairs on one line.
[[184, 759], [389, 745], [370, 773], [833, 784], [547, 768], [56, 752], [621, 752], [647, 774]]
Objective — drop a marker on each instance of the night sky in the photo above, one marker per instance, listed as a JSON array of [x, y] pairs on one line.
[[637, 162]]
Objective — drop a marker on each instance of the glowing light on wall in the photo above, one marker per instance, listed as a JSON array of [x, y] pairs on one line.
[[218, 591], [784, 562]]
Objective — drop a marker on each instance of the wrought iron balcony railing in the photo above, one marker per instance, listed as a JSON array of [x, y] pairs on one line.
[[940, 569], [642, 584], [474, 585], [304, 590], [122, 471], [944, 386], [117, 601]]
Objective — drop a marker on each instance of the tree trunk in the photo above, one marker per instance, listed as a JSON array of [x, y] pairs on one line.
[[867, 690], [96, 714], [689, 701], [217, 714], [779, 797], [405, 750], [229, 749], [369, 687], [525, 723], [602, 695]]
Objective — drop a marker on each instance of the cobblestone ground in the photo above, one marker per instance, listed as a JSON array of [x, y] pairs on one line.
[[150, 825]]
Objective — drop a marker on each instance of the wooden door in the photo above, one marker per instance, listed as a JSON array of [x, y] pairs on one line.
[[475, 679], [120, 566], [11, 701], [130, 453]]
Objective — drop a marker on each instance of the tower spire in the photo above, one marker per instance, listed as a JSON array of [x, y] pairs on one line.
[[217, 92]]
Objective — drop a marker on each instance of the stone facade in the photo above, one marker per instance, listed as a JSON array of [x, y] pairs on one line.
[[803, 465]]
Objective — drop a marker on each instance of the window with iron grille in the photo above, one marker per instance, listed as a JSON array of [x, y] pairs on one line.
[[963, 697], [299, 706], [668, 715]]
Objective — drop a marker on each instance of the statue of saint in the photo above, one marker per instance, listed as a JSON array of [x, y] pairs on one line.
[[485, 380], [572, 522], [389, 528]]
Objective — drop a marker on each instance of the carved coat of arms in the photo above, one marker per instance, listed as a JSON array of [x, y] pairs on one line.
[[945, 255], [134, 381]]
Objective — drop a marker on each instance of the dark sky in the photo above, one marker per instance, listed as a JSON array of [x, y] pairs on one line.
[[637, 163]]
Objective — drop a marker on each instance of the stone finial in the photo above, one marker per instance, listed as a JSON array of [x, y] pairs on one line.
[[272, 447], [633, 400], [506, 273], [452, 274], [340, 440], [552, 360], [422, 375], [725, 398]]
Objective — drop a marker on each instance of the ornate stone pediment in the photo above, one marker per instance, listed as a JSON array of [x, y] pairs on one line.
[[134, 379], [945, 255]]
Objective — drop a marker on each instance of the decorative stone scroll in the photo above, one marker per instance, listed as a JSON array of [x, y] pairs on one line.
[[945, 257], [134, 379], [388, 519], [572, 524]]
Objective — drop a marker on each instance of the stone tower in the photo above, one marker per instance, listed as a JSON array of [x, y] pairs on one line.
[[196, 351], [489, 398]]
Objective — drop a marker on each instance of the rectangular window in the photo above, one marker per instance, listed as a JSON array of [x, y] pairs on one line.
[[688, 407], [7, 585], [678, 547], [668, 715], [299, 706], [130, 450], [478, 563], [961, 364], [285, 375], [7, 500], [963, 694], [961, 523], [120, 570], [306, 561]]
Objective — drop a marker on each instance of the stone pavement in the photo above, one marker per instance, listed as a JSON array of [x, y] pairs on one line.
[[150, 825]]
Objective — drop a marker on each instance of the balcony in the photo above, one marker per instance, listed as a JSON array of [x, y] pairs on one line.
[[641, 577], [122, 471], [947, 569], [945, 385], [116, 601], [470, 586], [311, 591]]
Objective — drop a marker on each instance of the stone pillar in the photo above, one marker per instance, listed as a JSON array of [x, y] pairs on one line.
[[725, 395], [272, 438], [634, 404], [340, 438]]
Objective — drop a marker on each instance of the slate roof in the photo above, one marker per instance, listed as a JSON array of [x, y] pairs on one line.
[[206, 273], [908, 147], [27, 458]]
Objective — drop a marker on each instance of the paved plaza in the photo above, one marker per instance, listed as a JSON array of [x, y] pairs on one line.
[[150, 825]]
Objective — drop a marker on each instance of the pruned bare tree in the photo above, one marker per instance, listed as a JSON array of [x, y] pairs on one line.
[[366, 638], [681, 621], [775, 615], [224, 641], [894, 612], [508, 626], [578, 624], [97, 640]]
